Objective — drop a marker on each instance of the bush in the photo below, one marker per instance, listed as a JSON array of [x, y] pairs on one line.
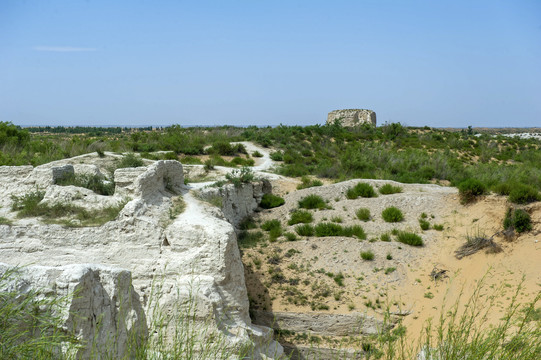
[[385, 237], [363, 214], [130, 161], [312, 201], [92, 182], [328, 229], [305, 230], [354, 230], [523, 194], [308, 183], [425, 225], [438, 227], [257, 154], [271, 224], [470, 189], [361, 189], [367, 255], [409, 238], [249, 239], [300, 216], [388, 189], [518, 219], [277, 156], [239, 177], [392, 214], [290, 236], [269, 201]]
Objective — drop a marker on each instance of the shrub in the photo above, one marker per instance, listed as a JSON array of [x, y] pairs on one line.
[[248, 239], [385, 237], [425, 225], [257, 154], [277, 156], [470, 189], [130, 161], [438, 227], [339, 279], [328, 229], [518, 219], [312, 201], [388, 189], [290, 236], [92, 182], [27, 204], [523, 194], [269, 201], [367, 255], [308, 183], [354, 230], [247, 224], [392, 214], [300, 216], [305, 230], [271, 224], [363, 214], [409, 238], [336, 219], [239, 177], [361, 189]]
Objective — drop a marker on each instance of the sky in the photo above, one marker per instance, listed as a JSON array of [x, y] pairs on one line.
[[156, 63]]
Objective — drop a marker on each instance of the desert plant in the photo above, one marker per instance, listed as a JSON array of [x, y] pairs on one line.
[[277, 156], [312, 201], [361, 189], [271, 224], [290, 236], [305, 230], [249, 239], [367, 255], [388, 189], [523, 194], [363, 214], [470, 189], [300, 216], [328, 229], [130, 161], [385, 237], [240, 176], [392, 214], [477, 242], [269, 201], [425, 225], [518, 220], [257, 154], [409, 238], [438, 227], [95, 183], [308, 183]]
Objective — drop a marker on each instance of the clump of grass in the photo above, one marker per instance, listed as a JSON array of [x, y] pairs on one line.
[[95, 183], [271, 224], [241, 176], [307, 182], [290, 236], [257, 154], [336, 219], [470, 189], [361, 190], [339, 279], [389, 270], [388, 189], [518, 220], [392, 214], [269, 201], [363, 214], [367, 255], [5, 221], [305, 230], [523, 194], [409, 238], [300, 216], [249, 239], [385, 237], [312, 201], [247, 224], [424, 224], [130, 161], [438, 227], [332, 229], [277, 156], [475, 243]]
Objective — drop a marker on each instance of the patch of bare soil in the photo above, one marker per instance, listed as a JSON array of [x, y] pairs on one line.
[[327, 274]]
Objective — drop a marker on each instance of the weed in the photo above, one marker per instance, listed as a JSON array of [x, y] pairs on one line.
[[305, 230], [425, 225], [470, 189], [300, 216], [306, 182], [238, 177], [388, 189], [269, 201], [361, 190], [389, 257], [477, 242], [392, 214], [290, 236], [389, 270], [339, 279], [363, 214], [385, 237], [518, 220], [336, 219], [409, 238], [312, 201], [438, 227], [367, 255]]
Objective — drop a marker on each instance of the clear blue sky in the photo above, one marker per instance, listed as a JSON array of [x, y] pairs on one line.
[[142, 62]]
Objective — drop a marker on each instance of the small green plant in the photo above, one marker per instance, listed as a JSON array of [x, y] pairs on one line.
[[300, 216], [277, 156], [5, 221], [518, 220], [389, 257], [361, 190], [336, 219], [130, 161], [257, 154], [271, 224], [389, 270], [523, 194], [429, 295], [290, 236], [247, 224], [269, 201], [409, 238], [312, 201], [367, 255], [305, 230], [385, 237], [240, 176], [438, 227], [425, 225], [363, 214], [470, 189], [306, 182], [332, 229], [392, 214], [249, 239], [95, 183], [339, 279], [388, 189]]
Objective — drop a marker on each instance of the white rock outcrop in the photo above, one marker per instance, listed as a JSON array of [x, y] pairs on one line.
[[100, 305], [180, 259], [352, 117]]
